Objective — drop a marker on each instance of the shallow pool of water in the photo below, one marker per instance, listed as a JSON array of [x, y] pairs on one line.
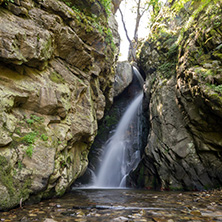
[[122, 205]]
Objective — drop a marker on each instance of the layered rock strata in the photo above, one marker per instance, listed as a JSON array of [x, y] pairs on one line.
[[56, 78]]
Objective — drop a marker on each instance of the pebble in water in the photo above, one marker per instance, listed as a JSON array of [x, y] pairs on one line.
[[127, 205]]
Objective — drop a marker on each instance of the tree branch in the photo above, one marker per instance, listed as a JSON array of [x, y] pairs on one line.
[[127, 36]]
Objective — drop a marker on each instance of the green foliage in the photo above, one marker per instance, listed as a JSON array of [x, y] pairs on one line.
[[167, 69], [8, 1], [195, 14], [91, 23], [216, 88], [179, 5], [107, 5], [20, 166], [34, 118], [156, 6], [30, 137], [29, 151], [30, 121], [173, 51], [44, 137], [169, 48]]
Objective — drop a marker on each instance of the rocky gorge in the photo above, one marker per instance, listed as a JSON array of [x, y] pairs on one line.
[[57, 79]]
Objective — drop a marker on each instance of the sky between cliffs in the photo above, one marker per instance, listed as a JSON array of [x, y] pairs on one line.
[[129, 18]]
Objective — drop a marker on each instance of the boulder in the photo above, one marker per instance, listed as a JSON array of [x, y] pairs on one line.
[[124, 76]]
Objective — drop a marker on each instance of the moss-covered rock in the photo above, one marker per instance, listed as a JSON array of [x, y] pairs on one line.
[[183, 89], [56, 79]]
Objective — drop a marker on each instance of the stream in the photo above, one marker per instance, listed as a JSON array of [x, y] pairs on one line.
[[122, 205]]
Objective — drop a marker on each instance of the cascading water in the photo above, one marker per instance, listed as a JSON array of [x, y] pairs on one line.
[[122, 150]]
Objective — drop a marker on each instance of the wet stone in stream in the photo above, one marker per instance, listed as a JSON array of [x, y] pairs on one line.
[[122, 205]]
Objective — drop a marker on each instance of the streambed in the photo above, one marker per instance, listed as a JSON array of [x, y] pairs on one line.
[[122, 205]]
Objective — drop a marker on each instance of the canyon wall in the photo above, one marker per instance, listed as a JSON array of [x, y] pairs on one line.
[[182, 60], [56, 79]]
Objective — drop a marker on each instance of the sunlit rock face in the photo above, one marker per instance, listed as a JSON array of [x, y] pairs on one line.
[[123, 77], [182, 61], [56, 79]]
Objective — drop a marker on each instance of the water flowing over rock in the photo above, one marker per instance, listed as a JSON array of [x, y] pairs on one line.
[[119, 157], [56, 80], [116, 150], [183, 90]]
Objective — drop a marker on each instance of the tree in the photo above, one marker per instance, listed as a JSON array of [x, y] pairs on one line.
[[141, 7]]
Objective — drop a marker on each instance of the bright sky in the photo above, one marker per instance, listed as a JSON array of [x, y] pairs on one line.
[[129, 19]]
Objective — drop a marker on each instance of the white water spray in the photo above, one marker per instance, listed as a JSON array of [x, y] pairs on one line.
[[117, 162], [122, 150]]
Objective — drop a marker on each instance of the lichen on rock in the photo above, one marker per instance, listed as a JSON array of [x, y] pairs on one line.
[[56, 77]]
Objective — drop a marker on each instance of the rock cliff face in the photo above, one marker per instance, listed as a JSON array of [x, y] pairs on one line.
[[183, 63], [56, 77]]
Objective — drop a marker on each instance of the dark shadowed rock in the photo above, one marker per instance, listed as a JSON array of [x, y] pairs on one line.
[[184, 96]]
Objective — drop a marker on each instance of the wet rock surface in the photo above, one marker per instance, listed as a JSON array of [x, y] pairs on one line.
[[123, 205], [107, 127]]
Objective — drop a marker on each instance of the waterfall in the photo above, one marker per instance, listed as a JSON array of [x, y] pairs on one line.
[[138, 75], [122, 150]]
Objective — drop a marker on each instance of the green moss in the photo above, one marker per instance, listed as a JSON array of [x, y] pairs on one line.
[[92, 23], [217, 55], [3, 161], [25, 189], [173, 50], [61, 192], [5, 175], [217, 88], [179, 188], [110, 120], [167, 69], [56, 77], [16, 189]]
